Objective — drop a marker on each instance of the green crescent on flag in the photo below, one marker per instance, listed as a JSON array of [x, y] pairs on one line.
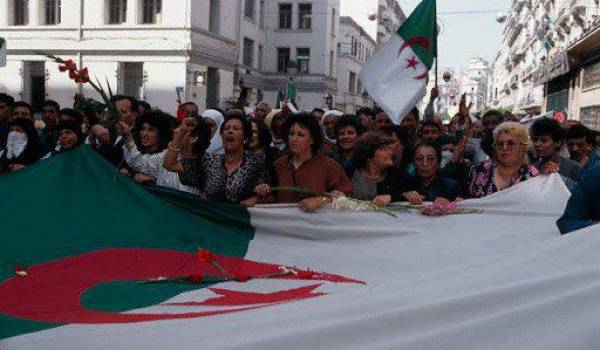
[[396, 76]]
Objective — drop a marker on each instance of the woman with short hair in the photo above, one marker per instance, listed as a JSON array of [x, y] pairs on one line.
[[306, 167], [347, 131], [374, 176], [510, 165], [428, 184]]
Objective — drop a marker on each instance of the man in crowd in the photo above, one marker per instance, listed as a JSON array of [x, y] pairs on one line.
[[6, 104], [50, 115], [578, 143]]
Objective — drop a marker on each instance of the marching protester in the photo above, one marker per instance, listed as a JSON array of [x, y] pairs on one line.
[[23, 146], [510, 165], [306, 168], [347, 131]]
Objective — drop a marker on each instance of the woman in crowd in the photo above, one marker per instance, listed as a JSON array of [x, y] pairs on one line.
[[275, 121], [69, 136], [260, 145], [403, 148], [230, 176], [145, 149], [328, 122], [510, 166], [347, 131], [305, 167], [23, 146], [214, 120], [375, 177], [429, 184]]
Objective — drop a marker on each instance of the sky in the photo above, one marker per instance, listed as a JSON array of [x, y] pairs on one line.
[[462, 36]]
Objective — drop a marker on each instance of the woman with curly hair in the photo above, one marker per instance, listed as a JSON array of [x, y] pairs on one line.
[[145, 149], [305, 167], [375, 177], [226, 177]]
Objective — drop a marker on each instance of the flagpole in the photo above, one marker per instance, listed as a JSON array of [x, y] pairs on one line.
[[436, 47]]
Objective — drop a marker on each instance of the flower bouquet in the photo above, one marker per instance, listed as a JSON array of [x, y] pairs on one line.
[[82, 76], [452, 208], [341, 202]]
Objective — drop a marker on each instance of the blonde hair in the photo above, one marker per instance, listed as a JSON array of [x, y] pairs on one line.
[[512, 128]]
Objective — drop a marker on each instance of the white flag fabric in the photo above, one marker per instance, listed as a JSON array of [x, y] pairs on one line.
[[395, 78], [503, 279]]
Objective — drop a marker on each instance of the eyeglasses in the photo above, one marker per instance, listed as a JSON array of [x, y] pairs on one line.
[[421, 159], [507, 144]]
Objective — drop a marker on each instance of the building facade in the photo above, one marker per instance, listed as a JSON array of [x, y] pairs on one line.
[[530, 73], [212, 52], [354, 49], [389, 18], [140, 47], [474, 83]]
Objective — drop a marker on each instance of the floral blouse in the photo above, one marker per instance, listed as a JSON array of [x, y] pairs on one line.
[[481, 178], [210, 175]]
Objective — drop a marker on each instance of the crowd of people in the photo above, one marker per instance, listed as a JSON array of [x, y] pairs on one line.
[[235, 157]]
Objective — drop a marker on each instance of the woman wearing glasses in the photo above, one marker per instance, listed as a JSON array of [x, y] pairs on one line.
[[509, 166], [428, 184]]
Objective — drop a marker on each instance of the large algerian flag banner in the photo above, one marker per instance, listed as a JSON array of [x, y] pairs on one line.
[[396, 76], [90, 260]]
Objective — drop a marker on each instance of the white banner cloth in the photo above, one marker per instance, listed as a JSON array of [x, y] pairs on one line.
[[504, 279]]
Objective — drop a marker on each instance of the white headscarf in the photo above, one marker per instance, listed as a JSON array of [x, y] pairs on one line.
[[337, 115], [15, 144], [216, 143]]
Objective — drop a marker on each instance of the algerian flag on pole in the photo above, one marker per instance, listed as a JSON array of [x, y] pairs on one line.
[[396, 77], [2, 52]]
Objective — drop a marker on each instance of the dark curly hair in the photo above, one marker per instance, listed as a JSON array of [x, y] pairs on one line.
[[264, 135], [367, 145], [348, 120], [202, 132], [246, 125], [307, 121], [161, 122], [549, 127]]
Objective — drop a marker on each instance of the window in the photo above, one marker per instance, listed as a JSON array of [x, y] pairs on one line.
[[51, 12], [151, 11], [331, 63], [285, 16], [304, 16], [283, 58], [249, 9], [248, 52], [261, 20], [215, 14], [261, 58], [20, 12], [303, 58], [117, 11], [333, 21], [358, 86], [352, 82], [133, 79]]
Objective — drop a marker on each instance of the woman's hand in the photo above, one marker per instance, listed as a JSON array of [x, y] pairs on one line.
[[383, 200], [414, 198], [550, 168], [250, 202], [441, 201], [311, 204], [123, 130], [262, 190], [100, 133], [142, 178]]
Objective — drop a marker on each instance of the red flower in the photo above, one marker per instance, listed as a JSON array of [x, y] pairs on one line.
[[20, 270], [196, 279], [242, 277], [84, 75], [62, 68], [180, 114], [77, 79], [72, 74], [71, 66], [204, 255]]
